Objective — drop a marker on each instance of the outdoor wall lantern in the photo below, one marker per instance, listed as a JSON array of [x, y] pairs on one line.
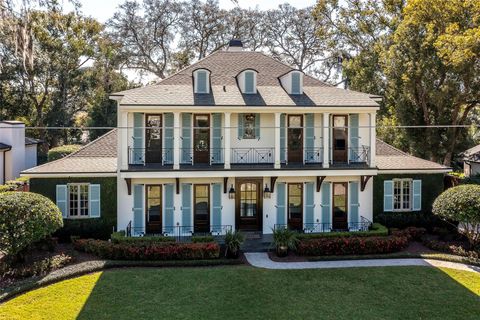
[[231, 193], [266, 192]]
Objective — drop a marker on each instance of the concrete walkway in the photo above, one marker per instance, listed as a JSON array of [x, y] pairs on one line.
[[261, 260]]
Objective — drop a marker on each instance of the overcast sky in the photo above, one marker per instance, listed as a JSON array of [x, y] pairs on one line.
[[103, 9]]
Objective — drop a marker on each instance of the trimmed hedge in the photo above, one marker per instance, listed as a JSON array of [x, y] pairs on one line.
[[376, 230], [203, 239], [62, 151], [119, 238], [164, 251], [351, 245]]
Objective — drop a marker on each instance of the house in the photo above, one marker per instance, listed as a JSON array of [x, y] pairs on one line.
[[471, 161], [17, 152], [240, 141]]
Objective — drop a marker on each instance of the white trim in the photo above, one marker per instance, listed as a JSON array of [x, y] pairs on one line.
[[413, 171], [69, 175], [410, 197], [291, 109], [78, 215]]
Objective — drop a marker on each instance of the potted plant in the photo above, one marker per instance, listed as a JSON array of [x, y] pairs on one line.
[[233, 241], [284, 239]]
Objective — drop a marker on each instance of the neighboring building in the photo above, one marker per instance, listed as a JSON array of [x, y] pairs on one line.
[[17, 152], [471, 162], [239, 140]]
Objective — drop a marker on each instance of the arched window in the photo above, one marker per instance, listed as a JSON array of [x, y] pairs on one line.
[[201, 81]]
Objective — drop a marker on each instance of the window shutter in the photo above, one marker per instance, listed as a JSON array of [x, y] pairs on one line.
[[354, 203], [281, 203], [138, 145], [168, 138], [257, 126], [310, 155], [326, 208], [217, 207], [283, 150], [94, 200], [309, 204], [138, 211], [169, 208], [295, 83], [240, 126], [354, 139], [186, 138], [217, 152], [387, 195], [417, 195], [202, 82], [187, 217], [61, 197], [249, 82]]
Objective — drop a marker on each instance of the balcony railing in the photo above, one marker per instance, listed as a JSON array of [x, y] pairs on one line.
[[142, 156], [211, 156], [313, 155], [252, 156], [363, 225], [180, 233], [359, 155]]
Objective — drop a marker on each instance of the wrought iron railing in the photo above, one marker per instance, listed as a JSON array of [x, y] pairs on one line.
[[252, 155], [359, 155], [215, 156], [363, 225], [180, 233], [313, 155], [143, 156], [317, 227]]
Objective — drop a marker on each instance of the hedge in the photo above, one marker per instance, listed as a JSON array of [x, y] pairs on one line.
[[164, 251], [376, 229], [351, 245], [120, 238], [62, 151]]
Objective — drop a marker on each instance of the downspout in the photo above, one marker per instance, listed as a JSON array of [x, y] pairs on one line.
[[5, 165]]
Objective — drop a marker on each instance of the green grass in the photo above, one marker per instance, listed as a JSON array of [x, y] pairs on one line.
[[242, 292]]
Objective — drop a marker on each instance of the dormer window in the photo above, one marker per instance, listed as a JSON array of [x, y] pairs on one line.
[[296, 83], [247, 81], [201, 81], [292, 82]]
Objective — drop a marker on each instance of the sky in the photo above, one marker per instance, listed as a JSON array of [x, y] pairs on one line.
[[102, 10]]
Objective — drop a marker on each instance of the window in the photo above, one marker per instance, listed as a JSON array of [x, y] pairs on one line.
[[296, 83], [249, 126], [402, 195], [78, 200], [249, 82], [201, 81], [248, 200]]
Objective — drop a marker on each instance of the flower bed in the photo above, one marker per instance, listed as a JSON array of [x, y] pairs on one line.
[[455, 248], [153, 251], [351, 245]]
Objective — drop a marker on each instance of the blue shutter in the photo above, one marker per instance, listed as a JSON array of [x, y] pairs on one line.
[[94, 200], [62, 196], [249, 82], [388, 195], [202, 82], [240, 126], [186, 138], [283, 149], [169, 208], [310, 155], [257, 126], [326, 207], [417, 195], [168, 138], [295, 83], [187, 220], [138, 211], [216, 207], [137, 156], [281, 204], [309, 205], [217, 152], [354, 203], [355, 154]]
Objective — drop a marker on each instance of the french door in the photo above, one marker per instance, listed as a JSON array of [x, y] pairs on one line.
[[248, 204], [153, 212], [295, 206], [201, 208], [340, 138], [201, 139], [153, 138], [340, 206], [295, 139]]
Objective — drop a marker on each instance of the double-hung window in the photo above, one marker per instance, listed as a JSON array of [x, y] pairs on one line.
[[402, 195]]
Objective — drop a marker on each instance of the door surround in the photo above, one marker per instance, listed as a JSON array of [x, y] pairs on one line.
[[244, 225]]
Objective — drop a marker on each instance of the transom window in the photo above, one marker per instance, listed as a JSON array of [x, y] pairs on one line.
[[402, 195], [249, 126], [78, 200]]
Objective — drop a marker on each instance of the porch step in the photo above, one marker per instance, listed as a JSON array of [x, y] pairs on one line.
[[252, 235], [257, 242]]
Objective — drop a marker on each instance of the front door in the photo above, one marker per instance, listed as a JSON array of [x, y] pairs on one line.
[[248, 204], [153, 138], [340, 138], [201, 209], [201, 139], [340, 205], [295, 206], [153, 213], [295, 139]]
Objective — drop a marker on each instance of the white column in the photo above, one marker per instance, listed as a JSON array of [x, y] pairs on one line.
[[326, 139], [123, 141], [373, 136], [227, 140], [277, 140], [176, 140]]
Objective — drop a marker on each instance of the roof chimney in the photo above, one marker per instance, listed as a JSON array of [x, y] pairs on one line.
[[235, 45]]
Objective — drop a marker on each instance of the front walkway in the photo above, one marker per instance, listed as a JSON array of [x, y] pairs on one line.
[[261, 260]]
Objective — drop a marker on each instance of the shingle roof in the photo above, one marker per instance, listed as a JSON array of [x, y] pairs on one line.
[[472, 151], [391, 158], [99, 156], [224, 67], [30, 141], [4, 146]]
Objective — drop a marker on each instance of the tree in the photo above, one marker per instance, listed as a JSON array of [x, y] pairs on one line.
[[461, 204], [26, 218]]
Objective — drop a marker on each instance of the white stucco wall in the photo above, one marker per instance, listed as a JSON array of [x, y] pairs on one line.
[[13, 134]]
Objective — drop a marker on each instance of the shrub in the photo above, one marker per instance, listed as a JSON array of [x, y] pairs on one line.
[[351, 245], [62, 151], [412, 233], [233, 242], [26, 218], [461, 204], [448, 247], [39, 267], [203, 239], [119, 238], [284, 239], [376, 229], [157, 251]]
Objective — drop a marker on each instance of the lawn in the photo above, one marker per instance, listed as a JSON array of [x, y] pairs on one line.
[[247, 293]]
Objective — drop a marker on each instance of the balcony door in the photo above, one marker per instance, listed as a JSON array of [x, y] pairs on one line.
[[295, 139], [153, 212], [201, 208], [340, 138], [153, 138], [340, 206], [248, 204], [201, 139], [295, 206]]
